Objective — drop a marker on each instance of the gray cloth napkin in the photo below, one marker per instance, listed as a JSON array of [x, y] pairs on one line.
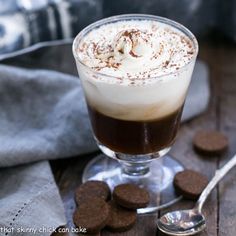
[[29, 200], [43, 116]]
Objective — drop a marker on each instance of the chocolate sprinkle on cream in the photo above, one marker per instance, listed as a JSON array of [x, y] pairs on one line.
[[141, 49]]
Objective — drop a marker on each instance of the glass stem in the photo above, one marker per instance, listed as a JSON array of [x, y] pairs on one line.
[[135, 169]]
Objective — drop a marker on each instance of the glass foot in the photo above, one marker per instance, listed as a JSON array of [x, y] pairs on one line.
[[158, 181]]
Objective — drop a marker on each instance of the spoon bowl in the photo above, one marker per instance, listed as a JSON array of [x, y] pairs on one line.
[[183, 222]]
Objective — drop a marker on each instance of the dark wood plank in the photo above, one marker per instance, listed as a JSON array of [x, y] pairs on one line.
[[183, 151], [145, 226], [227, 113]]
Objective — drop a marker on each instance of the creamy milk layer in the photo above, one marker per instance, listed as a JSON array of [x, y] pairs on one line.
[[124, 63]]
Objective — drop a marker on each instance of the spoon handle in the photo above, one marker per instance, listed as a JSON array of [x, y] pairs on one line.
[[218, 176]]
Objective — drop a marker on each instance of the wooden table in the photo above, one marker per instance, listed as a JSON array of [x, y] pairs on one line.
[[220, 208]]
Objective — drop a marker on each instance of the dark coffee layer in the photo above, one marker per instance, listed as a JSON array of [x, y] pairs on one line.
[[135, 137]]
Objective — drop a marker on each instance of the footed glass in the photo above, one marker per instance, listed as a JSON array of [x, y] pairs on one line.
[[135, 151]]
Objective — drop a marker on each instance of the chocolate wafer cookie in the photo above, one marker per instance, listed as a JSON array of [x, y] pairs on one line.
[[190, 183], [120, 219], [210, 142], [92, 215], [93, 188], [131, 196]]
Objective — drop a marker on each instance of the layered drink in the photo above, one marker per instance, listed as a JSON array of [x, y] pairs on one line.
[[135, 75]]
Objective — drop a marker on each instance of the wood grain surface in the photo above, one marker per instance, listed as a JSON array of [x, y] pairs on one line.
[[220, 208]]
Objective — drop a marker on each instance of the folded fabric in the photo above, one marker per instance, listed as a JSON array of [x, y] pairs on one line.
[[29, 201], [43, 116]]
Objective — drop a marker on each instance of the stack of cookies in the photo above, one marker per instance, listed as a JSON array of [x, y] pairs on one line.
[[98, 208]]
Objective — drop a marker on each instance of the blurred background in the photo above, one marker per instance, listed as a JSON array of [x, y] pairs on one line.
[[27, 22]]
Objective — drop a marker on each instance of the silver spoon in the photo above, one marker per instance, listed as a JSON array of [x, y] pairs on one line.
[[190, 222]]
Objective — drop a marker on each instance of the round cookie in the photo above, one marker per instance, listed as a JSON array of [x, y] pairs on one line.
[[210, 142], [92, 215], [120, 219], [93, 188], [190, 183], [130, 196]]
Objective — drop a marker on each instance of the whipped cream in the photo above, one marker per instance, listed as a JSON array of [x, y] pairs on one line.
[[135, 49], [134, 52]]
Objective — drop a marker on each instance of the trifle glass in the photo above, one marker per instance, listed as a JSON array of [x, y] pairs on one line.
[[135, 71]]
